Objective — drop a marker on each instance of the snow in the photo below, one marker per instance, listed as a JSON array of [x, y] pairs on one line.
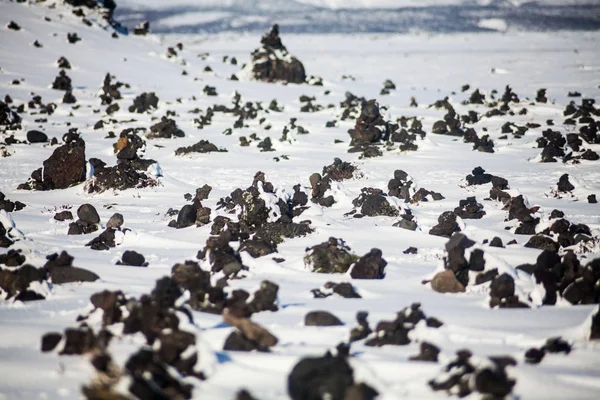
[[424, 65]]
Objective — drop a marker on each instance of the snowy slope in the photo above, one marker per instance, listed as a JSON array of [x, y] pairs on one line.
[[422, 66]]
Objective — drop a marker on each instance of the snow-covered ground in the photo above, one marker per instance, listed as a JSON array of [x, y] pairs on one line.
[[428, 67]]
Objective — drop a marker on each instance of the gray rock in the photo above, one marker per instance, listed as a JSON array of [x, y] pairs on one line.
[[321, 318], [116, 221], [87, 213]]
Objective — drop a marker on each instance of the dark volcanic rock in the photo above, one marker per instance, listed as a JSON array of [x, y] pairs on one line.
[[344, 289], [167, 128], [564, 185], [502, 286], [339, 170], [534, 356], [64, 168], [129, 149], [396, 332], [363, 330], [36, 137], [469, 209], [203, 146], [63, 63], [369, 266], [61, 270], [221, 255], [428, 352], [373, 202], [446, 226], [73, 37], [479, 177], [557, 345], [133, 258], [119, 177], [332, 256], [69, 98], [10, 206], [115, 221], [105, 240], [78, 341], [15, 283], [258, 248], [13, 258], [144, 102], [277, 232], [142, 29], [237, 341], [370, 126], [187, 216], [50, 341], [9, 119], [457, 264], [542, 242], [462, 377], [318, 377], [595, 329], [87, 213], [13, 26], [62, 82], [272, 62], [321, 318], [67, 274], [496, 242]]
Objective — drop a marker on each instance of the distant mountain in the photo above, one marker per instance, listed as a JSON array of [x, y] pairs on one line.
[[348, 16]]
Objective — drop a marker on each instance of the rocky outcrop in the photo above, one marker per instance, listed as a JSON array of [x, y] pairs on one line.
[[272, 63]]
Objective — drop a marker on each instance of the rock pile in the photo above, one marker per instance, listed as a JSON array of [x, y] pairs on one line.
[[468, 374], [10, 206], [272, 63], [332, 256], [64, 168], [265, 212], [392, 332], [27, 283], [337, 171]]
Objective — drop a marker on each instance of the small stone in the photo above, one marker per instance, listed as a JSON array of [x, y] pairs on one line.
[[87, 213], [14, 26], [133, 259], [116, 221], [63, 215], [50, 340], [496, 242], [446, 226], [321, 318], [370, 266], [557, 345], [68, 274], [503, 286], [34, 136], [534, 356], [187, 216], [564, 185], [429, 352]]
